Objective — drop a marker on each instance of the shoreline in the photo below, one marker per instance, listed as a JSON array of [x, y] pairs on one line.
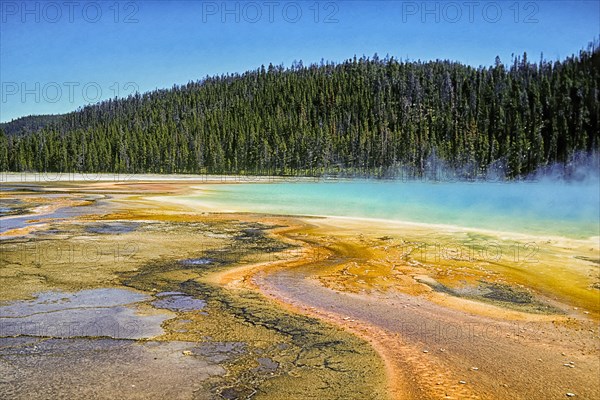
[[199, 205], [64, 177]]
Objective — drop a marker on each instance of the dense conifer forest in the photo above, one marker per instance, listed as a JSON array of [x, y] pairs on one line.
[[365, 116]]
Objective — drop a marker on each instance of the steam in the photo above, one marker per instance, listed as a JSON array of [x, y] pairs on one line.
[[580, 168]]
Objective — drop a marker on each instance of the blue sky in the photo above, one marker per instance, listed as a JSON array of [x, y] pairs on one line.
[[57, 56]]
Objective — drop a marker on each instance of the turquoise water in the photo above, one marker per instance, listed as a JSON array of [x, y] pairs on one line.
[[571, 210]]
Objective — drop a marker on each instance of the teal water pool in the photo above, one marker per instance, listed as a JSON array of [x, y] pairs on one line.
[[557, 208]]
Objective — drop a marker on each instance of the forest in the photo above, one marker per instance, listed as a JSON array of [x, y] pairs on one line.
[[366, 116]]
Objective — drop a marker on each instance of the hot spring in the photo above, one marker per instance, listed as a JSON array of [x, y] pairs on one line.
[[541, 207]]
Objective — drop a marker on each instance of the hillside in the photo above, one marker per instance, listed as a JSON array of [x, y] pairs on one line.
[[365, 116], [29, 124]]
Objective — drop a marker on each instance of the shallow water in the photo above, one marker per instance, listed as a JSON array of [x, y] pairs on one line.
[[197, 261], [91, 313], [542, 207], [176, 301], [10, 222]]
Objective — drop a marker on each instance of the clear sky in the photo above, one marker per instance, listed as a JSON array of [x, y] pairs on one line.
[[56, 56]]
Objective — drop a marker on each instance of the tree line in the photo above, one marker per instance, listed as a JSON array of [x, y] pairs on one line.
[[365, 116]]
